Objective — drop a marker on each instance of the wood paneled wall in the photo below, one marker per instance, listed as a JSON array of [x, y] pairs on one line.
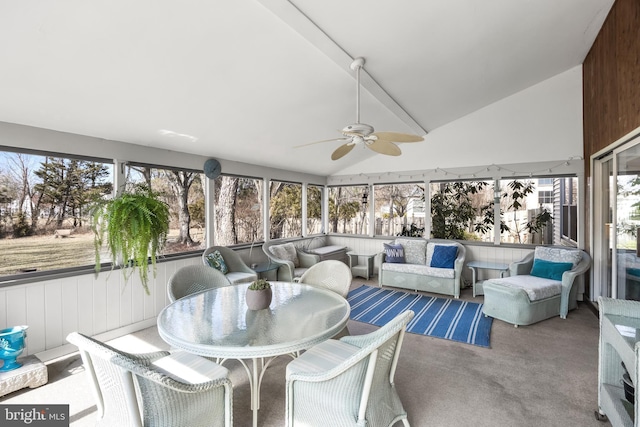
[[611, 80]]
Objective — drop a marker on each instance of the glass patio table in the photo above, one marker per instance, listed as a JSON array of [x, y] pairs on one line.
[[217, 323]]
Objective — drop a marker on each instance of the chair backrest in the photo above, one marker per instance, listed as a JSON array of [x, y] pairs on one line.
[[382, 349], [331, 274], [231, 258], [131, 391], [287, 250], [111, 385], [194, 278]]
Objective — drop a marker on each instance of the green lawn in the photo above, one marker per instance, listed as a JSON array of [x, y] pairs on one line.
[[51, 253], [46, 253]]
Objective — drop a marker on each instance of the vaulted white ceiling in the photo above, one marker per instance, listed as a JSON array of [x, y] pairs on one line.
[[247, 80]]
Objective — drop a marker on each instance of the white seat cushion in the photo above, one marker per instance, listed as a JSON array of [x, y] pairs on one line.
[[189, 368], [322, 357], [237, 277], [423, 270], [536, 287]]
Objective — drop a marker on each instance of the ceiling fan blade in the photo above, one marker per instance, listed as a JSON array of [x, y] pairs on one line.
[[324, 140], [398, 137], [384, 147], [342, 151]]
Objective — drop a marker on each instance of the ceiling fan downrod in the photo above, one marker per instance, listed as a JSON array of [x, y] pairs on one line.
[[356, 65]]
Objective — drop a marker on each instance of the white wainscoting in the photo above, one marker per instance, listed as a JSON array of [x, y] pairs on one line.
[[103, 306]]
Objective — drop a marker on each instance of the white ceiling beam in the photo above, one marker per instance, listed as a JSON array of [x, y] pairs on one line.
[[299, 22]]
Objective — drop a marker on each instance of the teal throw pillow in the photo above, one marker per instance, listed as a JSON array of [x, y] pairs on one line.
[[215, 260], [393, 253], [550, 270], [444, 256]]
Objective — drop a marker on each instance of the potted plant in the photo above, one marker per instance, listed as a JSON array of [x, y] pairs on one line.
[[258, 295], [134, 227]]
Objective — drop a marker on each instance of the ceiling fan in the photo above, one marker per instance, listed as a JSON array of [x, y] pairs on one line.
[[362, 133]]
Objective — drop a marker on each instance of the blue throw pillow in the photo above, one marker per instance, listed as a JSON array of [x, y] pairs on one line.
[[550, 270], [215, 260], [444, 256], [393, 253]]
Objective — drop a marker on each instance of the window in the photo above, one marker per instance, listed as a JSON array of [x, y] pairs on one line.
[[532, 210], [314, 209], [285, 210], [238, 210], [183, 192], [347, 212], [569, 201], [545, 197], [42, 196], [399, 209], [462, 210]]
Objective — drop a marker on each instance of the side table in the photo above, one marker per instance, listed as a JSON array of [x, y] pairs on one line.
[[264, 269], [362, 270], [473, 265]]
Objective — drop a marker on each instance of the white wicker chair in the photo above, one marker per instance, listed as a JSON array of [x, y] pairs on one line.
[[152, 390], [194, 278], [331, 274], [348, 382], [239, 272], [288, 270]]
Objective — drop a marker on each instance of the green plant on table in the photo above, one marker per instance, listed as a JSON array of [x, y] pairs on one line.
[[259, 285], [134, 227]]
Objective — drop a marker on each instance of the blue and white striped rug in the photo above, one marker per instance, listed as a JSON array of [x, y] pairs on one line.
[[451, 319]]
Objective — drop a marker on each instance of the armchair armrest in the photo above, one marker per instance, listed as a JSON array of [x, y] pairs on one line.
[[306, 259], [521, 267]]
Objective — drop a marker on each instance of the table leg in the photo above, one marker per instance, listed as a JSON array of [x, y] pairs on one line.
[[473, 280], [255, 375], [255, 392]]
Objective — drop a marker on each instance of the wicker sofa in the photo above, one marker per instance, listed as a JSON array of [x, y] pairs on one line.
[[417, 273]]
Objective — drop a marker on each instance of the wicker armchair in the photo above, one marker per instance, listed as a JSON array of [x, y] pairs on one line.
[[239, 272], [194, 278], [348, 382], [155, 389], [289, 269]]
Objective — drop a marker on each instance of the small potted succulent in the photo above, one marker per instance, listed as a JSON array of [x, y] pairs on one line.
[[258, 295]]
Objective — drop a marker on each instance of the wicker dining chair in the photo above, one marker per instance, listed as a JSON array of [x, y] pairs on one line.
[[194, 278], [155, 389], [331, 274], [348, 382]]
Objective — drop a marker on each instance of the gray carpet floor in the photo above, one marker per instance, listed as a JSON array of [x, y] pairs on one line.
[[539, 375]]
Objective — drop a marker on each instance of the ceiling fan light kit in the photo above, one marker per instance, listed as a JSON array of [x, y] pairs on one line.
[[362, 133]]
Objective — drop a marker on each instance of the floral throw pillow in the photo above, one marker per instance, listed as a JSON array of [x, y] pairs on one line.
[[215, 260]]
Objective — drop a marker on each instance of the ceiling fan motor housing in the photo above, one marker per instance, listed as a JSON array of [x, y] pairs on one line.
[[358, 128]]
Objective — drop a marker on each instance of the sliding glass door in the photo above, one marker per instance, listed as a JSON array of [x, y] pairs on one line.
[[616, 223]]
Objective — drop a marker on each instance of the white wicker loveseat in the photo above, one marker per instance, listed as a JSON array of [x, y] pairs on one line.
[[539, 287], [417, 271]]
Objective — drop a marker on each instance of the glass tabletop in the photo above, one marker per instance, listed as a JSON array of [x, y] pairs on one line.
[[217, 322], [264, 267]]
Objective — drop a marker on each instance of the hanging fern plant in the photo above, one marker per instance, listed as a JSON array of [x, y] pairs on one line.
[[134, 227]]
